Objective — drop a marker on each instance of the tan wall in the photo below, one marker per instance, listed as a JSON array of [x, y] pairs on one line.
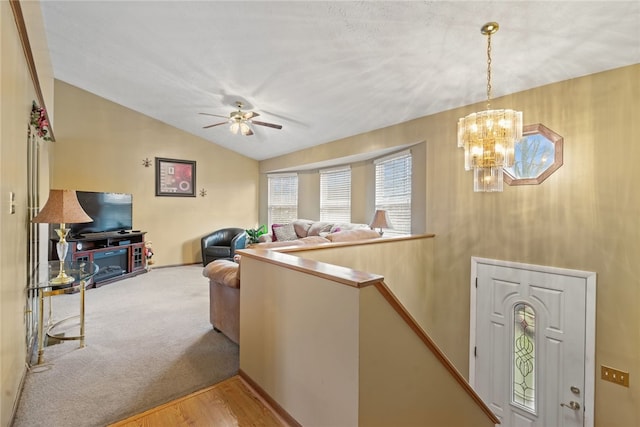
[[298, 341], [333, 354], [100, 147], [16, 95], [585, 216], [402, 382], [405, 264]]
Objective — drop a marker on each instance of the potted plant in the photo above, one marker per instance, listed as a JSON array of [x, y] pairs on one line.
[[255, 233]]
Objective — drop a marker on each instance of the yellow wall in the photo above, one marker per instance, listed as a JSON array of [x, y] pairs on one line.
[[100, 146], [585, 216], [16, 95]]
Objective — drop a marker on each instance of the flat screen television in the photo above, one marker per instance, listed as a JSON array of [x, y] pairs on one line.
[[110, 212]]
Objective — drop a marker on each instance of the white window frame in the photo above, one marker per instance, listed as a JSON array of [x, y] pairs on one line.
[[335, 194], [282, 207], [396, 200]]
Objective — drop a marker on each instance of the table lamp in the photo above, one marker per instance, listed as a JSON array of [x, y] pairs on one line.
[[62, 208], [380, 221]]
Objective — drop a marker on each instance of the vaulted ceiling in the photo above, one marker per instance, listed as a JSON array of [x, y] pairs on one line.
[[325, 70]]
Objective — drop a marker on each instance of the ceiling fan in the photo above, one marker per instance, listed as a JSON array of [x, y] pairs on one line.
[[240, 121]]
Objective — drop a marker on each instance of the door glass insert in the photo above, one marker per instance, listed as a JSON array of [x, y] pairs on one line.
[[523, 391]]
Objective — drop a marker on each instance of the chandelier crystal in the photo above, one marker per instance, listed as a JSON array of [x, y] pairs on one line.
[[489, 137]]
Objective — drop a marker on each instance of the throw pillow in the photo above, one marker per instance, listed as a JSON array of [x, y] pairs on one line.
[[286, 232], [273, 231], [302, 226], [319, 227]]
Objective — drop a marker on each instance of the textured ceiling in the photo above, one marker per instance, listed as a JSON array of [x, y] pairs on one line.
[[325, 70]]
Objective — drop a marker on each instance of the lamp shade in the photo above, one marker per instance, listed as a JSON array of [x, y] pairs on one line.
[[381, 220], [62, 207]]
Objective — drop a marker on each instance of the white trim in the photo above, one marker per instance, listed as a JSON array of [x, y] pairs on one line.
[[282, 175], [335, 169], [590, 324]]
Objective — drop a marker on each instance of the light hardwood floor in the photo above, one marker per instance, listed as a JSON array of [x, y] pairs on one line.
[[229, 403]]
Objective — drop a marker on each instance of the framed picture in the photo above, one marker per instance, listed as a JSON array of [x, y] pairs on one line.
[[175, 178]]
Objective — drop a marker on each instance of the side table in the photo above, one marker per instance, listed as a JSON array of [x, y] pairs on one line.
[[81, 272]]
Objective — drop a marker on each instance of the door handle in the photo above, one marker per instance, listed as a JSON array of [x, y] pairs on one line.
[[572, 405]]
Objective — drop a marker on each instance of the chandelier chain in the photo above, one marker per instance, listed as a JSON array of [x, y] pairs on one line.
[[489, 71]]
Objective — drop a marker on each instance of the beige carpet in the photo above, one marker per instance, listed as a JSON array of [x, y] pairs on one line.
[[148, 341]]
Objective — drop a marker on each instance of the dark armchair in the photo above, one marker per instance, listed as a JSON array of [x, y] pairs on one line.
[[222, 244]]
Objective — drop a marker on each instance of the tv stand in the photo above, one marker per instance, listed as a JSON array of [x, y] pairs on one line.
[[118, 255]]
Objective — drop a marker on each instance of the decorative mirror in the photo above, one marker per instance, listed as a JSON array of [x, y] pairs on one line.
[[537, 155]]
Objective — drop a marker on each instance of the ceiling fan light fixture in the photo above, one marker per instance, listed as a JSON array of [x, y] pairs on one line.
[[241, 121], [235, 126], [488, 137], [245, 129]]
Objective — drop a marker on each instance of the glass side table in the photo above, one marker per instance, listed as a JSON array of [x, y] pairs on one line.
[[81, 273]]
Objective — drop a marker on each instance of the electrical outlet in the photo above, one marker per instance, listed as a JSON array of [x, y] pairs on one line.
[[614, 375]]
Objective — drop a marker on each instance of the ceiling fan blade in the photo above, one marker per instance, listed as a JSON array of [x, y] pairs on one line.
[[271, 125], [215, 124], [214, 115], [249, 115], [248, 133]]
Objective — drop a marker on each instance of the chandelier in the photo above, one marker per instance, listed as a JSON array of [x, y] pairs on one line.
[[489, 137]]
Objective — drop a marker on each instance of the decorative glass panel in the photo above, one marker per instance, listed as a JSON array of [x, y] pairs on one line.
[[524, 357]]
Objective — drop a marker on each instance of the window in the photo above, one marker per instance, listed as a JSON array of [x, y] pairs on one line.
[[393, 191], [335, 195], [283, 198], [537, 155]]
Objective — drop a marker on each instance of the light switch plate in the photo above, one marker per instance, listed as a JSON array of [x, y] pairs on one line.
[[12, 202]]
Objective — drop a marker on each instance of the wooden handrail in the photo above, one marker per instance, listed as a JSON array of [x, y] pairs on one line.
[[335, 273]]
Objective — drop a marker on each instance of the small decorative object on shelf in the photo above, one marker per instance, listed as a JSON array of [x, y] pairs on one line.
[[39, 121], [148, 250], [255, 233], [146, 162]]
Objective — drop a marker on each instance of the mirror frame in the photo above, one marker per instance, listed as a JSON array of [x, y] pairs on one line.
[[556, 140]]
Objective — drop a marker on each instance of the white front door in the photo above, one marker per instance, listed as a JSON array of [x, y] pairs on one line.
[[532, 331]]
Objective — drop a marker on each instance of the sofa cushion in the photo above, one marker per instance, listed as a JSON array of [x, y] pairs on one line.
[[285, 233], [341, 226], [223, 272], [309, 240], [302, 227], [353, 235], [319, 227]]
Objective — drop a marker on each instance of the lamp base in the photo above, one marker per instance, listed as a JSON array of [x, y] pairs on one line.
[[62, 279]]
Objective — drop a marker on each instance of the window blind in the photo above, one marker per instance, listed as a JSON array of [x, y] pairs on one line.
[[282, 198], [393, 191], [335, 194]]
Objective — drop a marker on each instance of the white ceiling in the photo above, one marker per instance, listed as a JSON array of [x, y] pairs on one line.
[[325, 70]]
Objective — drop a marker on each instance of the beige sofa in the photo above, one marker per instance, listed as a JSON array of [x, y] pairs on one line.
[[224, 297], [301, 228], [224, 278]]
